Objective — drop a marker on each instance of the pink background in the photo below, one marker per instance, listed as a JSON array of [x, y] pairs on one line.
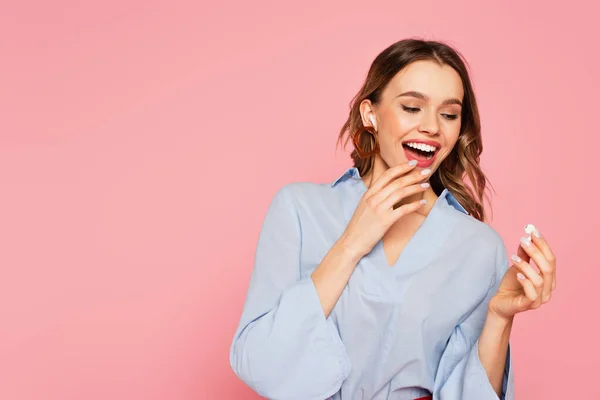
[[141, 142]]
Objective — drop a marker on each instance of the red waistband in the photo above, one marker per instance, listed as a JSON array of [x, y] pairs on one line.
[[425, 398]]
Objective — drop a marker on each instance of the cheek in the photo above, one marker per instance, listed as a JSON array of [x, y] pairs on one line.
[[451, 133], [452, 140], [391, 139], [405, 123], [399, 127]]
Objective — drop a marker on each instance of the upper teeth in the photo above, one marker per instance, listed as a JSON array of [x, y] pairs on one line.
[[421, 146]]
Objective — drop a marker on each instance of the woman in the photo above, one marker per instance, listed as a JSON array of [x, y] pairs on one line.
[[387, 283]]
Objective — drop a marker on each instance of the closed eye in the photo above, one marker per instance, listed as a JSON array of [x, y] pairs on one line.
[[414, 110], [410, 109], [450, 117]]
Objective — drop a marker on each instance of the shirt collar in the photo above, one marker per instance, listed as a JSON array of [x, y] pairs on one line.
[[453, 202], [349, 173], [352, 173]]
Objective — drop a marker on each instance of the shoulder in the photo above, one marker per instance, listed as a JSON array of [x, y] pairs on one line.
[[307, 190], [311, 197], [318, 210], [483, 238], [306, 195], [312, 193], [484, 234]]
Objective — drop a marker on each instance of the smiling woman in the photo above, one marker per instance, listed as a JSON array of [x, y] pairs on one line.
[[425, 98], [387, 283]]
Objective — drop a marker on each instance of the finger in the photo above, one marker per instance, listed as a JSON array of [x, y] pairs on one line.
[[528, 271], [531, 274], [413, 177], [544, 266], [402, 193], [530, 298], [407, 209], [390, 174], [541, 242], [523, 254]]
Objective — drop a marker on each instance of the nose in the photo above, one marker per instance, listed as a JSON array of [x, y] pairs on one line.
[[429, 123]]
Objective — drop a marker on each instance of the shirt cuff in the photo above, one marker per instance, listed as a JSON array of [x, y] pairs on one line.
[[507, 380]]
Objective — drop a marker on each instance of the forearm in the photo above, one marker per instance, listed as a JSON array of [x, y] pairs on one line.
[[332, 275], [493, 347]]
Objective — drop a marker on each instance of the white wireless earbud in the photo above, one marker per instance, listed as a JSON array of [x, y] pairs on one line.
[[372, 120]]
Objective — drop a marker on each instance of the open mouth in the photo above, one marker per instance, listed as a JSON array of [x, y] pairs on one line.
[[419, 151]]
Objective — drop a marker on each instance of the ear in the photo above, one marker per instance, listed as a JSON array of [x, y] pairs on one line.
[[367, 113]]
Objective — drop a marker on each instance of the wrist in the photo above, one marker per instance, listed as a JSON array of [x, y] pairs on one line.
[[349, 250], [498, 320]]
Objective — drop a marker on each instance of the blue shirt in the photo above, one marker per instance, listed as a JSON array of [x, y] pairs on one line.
[[395, 333]]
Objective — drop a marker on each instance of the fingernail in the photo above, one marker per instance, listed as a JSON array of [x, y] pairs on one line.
[[425, 171], [525, 241], [423, 201], [412, 163], [516, 258], [520, 276], [425, 185]]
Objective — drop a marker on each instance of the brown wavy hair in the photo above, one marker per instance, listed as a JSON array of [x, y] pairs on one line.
[[460, 172]]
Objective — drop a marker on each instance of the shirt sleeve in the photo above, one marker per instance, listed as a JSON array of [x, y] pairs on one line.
[[460, 374], [284, 347]]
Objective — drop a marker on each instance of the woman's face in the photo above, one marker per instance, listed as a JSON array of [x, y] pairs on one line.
[[419, 115]]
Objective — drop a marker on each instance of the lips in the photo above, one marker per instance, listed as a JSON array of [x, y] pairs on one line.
[[423, 151]]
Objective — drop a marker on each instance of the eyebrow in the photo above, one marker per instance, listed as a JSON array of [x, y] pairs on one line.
[[422, 96]]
